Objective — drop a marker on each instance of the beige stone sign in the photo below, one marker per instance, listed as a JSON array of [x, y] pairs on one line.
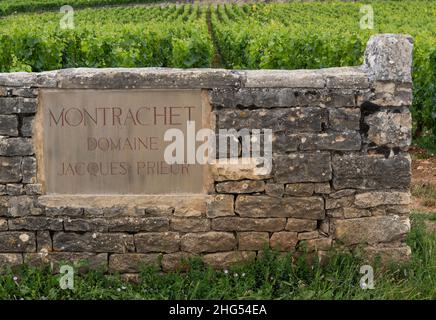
[[112, 141]]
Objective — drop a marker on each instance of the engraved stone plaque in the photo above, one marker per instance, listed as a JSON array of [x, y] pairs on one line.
[[112, 141]]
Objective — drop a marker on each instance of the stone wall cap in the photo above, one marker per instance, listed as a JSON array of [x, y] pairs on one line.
[[388, 57]]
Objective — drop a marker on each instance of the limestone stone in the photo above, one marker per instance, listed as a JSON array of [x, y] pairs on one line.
[[132, 262], [223, 260], [15, 146], [9, 125], [10, 260], [43, 241], [20, 206], [388, 254], [299, 189], [240, 169], [14, 189], [134, 78], [334, 203], [176, 261], [253, 240], [64, 211], [391, 95], [371, 229], [17, 105], [388, 57], [3, 224], [248, 224], [243, 186], [376, 198], [36, 223], [93, 242], [300, 225], [308, 235], [284, 79], [212, 241], [341, 119], [274, 189], [269, 207], [390, 129], [190, 224], [345, 77], [296, 120], [220, 205], [33, 189], [28, 168], [167, 242], [10, 169], [323, 188], [27, 126], [284, 241], [320, 244], [371, 171], [17, 241], [302, 167], [134, 224], [81, 261]]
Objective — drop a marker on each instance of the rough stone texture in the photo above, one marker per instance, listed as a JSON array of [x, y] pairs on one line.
[[274, 189], [176, 261], [371, 171], [157, 242], [15, 146], [371, 229], [93, 242], [221, 205], [284, 241], [36, 223], [387, 254], [27, 127], [190, 225], [253, 240], [16, 241], [390, 129], [10, 260], [376, 198], [269, 207], [132, 262], [28, 168], [296, 120], [9, 125], [302, 167], [17, 105], [228, 259], [81, 261], [10, 169], [388, 57], [300, 225], [208, 242], [239, 169], [248, 224], [344, 119], [299, 189], [244, 186]]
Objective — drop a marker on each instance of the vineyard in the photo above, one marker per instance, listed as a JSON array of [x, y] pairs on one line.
[[248, 36]]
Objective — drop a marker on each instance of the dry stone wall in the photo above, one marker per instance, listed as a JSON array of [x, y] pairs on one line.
[[340, 176]]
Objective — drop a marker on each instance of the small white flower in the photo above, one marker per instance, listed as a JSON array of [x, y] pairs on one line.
[[236, 275], [243, 275], [15, 278], [118, 289], [226, 271], [123, 287]]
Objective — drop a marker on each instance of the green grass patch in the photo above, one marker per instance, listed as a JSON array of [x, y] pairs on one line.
[[271, 277]]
